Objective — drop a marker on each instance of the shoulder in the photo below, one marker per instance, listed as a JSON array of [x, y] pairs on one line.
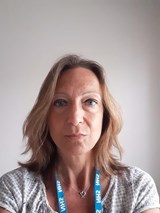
[[12, 177], [18, 188], [134, 174], [133, 190], [18, 175], [15, 181], [134, 178], [136, 187]]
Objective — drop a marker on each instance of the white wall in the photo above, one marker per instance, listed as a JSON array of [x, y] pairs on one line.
[[123, 35]]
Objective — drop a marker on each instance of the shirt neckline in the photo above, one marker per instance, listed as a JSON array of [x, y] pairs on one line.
[[111, 182]]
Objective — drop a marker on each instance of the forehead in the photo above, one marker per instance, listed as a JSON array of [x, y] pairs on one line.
[[78, 79]]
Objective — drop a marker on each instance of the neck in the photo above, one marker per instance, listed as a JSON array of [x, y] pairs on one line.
[[76, 171]]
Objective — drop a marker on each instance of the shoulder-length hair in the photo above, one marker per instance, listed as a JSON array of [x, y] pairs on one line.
[[39, 143]]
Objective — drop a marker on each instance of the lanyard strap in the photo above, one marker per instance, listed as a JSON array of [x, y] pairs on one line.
[[97, 195], [60, 195]]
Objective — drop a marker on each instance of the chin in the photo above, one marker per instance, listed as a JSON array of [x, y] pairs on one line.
[[79, 151]]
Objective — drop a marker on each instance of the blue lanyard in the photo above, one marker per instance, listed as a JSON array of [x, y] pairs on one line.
[[97, 195]]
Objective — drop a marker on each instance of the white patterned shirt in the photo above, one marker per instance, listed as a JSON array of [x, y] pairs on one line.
[[134, 191]]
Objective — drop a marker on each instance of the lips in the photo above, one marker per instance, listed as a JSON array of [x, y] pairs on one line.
[[76, 136]]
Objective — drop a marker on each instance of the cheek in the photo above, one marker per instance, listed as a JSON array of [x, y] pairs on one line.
[[53, 125], [56, 125], [97, 123], [55, 119]]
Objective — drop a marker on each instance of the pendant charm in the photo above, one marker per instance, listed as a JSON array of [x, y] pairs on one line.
[[82, 194]]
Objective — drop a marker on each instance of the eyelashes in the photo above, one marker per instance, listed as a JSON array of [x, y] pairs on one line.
[[60, 103], [90, 102]]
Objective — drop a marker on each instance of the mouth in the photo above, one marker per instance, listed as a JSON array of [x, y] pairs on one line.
[[76, 136]]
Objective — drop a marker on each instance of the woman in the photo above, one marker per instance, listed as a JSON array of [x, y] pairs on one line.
[[71, 132]]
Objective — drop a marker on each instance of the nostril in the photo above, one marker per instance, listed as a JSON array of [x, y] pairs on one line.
[[74, 122], [75, 115]]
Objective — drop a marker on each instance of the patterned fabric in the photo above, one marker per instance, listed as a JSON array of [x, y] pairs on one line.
[[134, 191]]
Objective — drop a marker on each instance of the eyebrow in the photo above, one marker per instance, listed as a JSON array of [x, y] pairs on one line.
[[85, 93]]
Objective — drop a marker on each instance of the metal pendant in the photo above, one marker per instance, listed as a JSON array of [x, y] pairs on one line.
[[82, 194]]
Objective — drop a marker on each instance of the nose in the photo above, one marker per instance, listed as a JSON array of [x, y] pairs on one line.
[[75, 114]]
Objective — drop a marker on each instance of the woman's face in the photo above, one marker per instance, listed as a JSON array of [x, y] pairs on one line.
[[76, 114]]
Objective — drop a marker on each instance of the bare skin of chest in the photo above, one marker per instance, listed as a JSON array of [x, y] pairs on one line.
[[74, 201]]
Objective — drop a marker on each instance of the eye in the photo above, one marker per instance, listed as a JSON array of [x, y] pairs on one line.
[[60, 103], [91, 102]]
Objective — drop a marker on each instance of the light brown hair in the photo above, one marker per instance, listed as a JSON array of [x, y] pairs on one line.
[[35, 129]]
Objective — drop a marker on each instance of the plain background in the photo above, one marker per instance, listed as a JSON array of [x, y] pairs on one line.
[[122, 35]]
